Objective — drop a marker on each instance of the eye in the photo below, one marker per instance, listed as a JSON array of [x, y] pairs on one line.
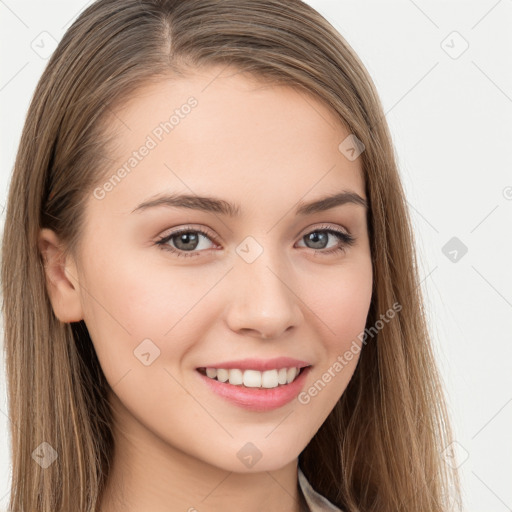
[[190, 241], [319, 240], [185, 241]]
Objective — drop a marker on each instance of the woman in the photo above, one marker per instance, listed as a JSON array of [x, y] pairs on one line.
[[211, 297]]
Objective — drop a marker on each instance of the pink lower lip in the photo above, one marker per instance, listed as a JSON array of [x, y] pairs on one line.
[[258, 399]]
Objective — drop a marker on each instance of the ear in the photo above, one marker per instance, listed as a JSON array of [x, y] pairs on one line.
[[61, 278]]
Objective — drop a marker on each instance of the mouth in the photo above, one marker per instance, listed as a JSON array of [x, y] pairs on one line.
[[254, 383], [251, 378]]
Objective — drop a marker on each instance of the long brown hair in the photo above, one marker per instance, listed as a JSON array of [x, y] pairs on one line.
[[381, 447]]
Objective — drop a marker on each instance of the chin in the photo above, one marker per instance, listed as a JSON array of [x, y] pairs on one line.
[[259, 456]]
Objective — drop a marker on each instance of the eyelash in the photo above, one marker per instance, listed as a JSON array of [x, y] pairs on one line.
[[346, 240]]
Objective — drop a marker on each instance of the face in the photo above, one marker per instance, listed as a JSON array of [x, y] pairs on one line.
[[246, 284]]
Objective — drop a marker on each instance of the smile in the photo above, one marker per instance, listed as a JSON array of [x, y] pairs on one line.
[[253, 378]]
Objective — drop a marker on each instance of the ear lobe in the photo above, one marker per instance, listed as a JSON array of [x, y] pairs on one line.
[[61, 278]]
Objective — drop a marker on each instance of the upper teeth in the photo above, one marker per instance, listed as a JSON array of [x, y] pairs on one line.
[[254, 378]]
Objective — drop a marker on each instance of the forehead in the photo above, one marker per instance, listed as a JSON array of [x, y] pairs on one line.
[[215, 129]]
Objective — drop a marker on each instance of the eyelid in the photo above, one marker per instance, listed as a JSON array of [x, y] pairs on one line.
[[200, 228], [323, 226]]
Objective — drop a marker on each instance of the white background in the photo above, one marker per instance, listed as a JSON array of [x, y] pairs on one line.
[[450, 120]]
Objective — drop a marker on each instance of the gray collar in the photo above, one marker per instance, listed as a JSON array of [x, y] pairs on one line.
[[316, 502]]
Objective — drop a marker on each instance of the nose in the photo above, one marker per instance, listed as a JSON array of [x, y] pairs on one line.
[[263, 303]]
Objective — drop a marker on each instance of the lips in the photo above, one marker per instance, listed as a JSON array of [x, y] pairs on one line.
[[256, 384]]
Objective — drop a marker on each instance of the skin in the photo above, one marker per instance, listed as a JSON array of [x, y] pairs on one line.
[[265, 148]]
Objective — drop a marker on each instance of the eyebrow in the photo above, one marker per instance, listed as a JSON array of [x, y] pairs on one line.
[[216, 205]]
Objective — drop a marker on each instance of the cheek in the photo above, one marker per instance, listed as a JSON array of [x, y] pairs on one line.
[[169, 303], [128, 303], [344, 304], [346, 316], [341, 312]]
